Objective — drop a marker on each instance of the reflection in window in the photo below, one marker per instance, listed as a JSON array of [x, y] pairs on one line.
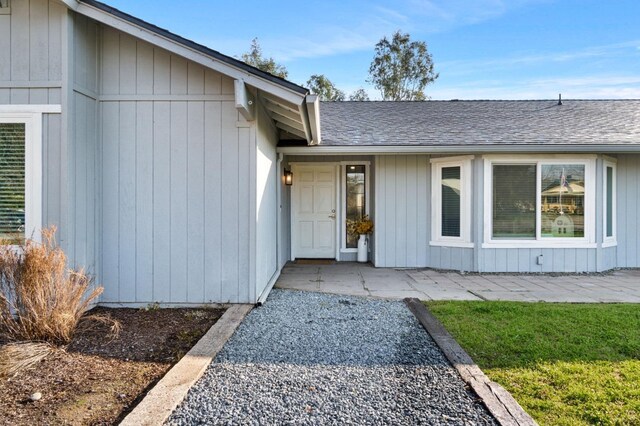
[[514, 201], [451, 201], [562, 200], [355, 199]]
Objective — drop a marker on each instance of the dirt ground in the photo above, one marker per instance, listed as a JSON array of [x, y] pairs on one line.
[[98, 379]]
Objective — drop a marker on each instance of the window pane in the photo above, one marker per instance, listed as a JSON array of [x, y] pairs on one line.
[[356, 208], [12, 179], [451, 201], [562, 200], [514, 201], [609, 201]]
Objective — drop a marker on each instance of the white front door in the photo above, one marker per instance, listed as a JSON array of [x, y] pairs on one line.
[[314, 211]]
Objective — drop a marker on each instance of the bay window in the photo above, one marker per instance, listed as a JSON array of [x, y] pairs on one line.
[[539, 201]]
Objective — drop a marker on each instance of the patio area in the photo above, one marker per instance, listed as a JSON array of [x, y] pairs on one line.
[[356, 279]]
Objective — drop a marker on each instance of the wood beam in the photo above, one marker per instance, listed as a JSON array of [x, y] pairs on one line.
[[289, 122], [244, 100], [291, 130], [277, 109]]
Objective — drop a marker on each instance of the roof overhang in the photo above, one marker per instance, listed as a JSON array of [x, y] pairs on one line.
[[457, 149], [290, 106]]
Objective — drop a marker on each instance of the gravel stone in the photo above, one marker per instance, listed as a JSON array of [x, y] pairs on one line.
[[308, 358]]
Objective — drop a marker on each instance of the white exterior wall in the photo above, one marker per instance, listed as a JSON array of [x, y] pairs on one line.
[[178, 174], [267, 208]]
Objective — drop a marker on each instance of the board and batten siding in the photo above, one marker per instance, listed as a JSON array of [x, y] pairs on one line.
[[401, 211], [83, 230], [177, 170], [31, 73], [31, 52], [403, 217], [628, 225], [403, 226]]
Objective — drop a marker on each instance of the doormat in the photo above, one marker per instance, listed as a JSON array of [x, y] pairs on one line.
[[315, 261]]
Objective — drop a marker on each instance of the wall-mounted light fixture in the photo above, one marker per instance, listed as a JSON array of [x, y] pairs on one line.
[[288, 177]]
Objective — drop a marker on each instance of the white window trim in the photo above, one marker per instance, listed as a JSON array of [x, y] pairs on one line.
[[611, 241], [343, 200], [33, 168], [588, 241], [437, 164]]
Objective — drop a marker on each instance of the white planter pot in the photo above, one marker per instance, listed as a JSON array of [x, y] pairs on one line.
[[363, 249]]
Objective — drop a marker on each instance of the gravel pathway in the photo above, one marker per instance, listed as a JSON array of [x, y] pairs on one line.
[[309, 358]]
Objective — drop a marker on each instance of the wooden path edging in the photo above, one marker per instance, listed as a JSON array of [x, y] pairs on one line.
[[504, 408], [168, 393]]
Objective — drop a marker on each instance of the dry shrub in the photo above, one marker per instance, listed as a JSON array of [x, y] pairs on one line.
[[16, 357], [41, 299]]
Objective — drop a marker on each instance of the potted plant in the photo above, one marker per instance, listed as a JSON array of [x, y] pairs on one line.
[[362, 227]]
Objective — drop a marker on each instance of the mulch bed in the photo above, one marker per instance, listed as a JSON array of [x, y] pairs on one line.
[[97, 379]]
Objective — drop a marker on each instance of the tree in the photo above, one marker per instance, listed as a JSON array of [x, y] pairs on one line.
[[254, 58], [401, 68], [324, 88], [359, 95]]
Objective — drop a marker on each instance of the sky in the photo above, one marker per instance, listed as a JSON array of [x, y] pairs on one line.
[[482, 49]]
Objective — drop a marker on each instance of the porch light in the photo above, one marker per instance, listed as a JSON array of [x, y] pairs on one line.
[[288, 177]]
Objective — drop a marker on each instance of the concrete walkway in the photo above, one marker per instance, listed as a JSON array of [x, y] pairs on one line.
[[426, 284]]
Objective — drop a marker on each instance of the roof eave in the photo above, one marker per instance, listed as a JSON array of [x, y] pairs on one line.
[[458, 149]]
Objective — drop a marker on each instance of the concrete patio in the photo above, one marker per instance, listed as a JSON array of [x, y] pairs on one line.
[[426, 284]]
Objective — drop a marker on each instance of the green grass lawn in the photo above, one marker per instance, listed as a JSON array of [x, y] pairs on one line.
[[566, 364]]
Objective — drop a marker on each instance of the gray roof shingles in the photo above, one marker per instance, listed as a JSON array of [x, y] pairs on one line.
[[452, 123]]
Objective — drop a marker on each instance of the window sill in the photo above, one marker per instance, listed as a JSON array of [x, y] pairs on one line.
[[460, 244], [608, 244], [524, 244], [348, 250]]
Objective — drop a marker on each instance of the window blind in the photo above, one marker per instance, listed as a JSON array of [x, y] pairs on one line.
[[514, 201], [12, 181], [609, 201], [451, 201]]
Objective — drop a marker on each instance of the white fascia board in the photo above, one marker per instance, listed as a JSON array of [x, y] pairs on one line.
[[71, 4], [19, 109], [468, 149], [304, 114], [190, 54], [313, 109]]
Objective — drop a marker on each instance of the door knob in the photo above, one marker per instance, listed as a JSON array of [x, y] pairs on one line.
[[332, 215]]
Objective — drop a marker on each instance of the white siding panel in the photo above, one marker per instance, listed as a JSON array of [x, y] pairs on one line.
[[178, 188], [127, 201], [161, 202], [213, 207], [401, 211], [266, 204], [144, 201], [628, 228], [231, 206], [195, 203], [110, 201]]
